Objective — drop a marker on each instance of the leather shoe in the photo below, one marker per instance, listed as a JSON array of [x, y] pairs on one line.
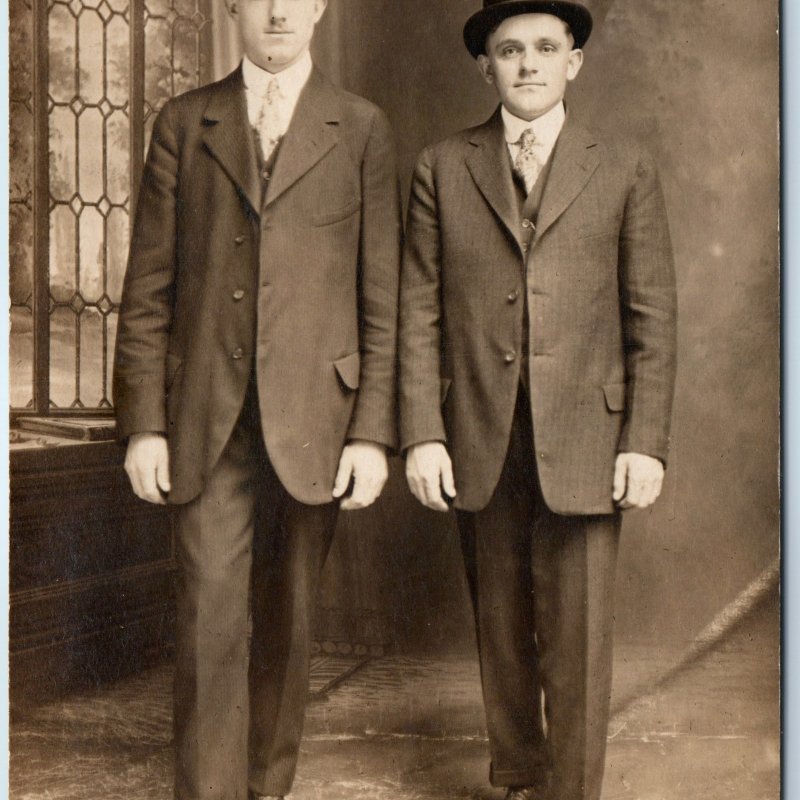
[[251, 795], [522, 793]]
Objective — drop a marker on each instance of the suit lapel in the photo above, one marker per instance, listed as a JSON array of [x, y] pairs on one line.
[[227, 136], [489, 149], [311, 134], [575, 159]]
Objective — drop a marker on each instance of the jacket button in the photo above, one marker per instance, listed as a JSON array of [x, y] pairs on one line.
[[237, 354], [239, 240], [238, 294], [510, 357], [513, 296]]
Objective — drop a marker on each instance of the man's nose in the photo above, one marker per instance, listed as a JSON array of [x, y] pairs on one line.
[[277, 11], [528, 64]]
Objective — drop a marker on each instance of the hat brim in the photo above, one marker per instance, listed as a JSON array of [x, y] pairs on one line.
[[480, 24]]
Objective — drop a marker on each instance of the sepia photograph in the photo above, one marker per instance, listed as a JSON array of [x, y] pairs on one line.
[[394, 400]]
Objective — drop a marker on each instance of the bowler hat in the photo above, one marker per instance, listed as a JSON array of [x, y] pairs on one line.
[[480, 24]]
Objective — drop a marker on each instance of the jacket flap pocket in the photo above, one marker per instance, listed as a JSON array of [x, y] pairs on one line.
[[172, 366], [336, 214], [349, 368], [615, 396], [444, 389]]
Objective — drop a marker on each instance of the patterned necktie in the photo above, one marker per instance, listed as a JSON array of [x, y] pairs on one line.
[[268, 124], [527, 164]]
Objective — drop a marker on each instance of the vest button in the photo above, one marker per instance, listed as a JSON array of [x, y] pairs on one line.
[[513, 296], [238, 294], [510, 357], [239, 240], [526, 223], [237, 354]]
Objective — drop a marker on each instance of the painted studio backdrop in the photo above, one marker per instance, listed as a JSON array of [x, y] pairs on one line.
[[697, 82]]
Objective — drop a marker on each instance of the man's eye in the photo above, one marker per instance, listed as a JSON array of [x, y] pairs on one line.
[[548, 48], [507, 52]]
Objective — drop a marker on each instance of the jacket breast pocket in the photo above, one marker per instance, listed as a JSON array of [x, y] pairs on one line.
[[342, 212]]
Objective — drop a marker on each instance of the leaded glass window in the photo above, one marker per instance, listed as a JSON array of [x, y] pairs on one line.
[[86, 80]]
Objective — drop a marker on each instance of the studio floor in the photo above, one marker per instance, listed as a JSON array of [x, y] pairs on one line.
[[400, 728]]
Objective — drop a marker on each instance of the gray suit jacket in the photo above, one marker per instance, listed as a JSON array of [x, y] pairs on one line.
[[598, 277], [300, 289]]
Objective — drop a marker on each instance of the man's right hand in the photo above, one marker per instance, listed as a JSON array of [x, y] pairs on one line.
[[147, 465], [429, 471]]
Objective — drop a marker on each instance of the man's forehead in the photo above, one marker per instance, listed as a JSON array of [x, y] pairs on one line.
[[531, 26]]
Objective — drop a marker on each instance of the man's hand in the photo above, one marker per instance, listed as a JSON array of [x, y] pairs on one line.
[[429, 471], [637, 480], [366, 463], [147, 465]]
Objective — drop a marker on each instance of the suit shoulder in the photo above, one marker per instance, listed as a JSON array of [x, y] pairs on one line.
[[623, 148], [358, 109], [193, 102], [449, 148]]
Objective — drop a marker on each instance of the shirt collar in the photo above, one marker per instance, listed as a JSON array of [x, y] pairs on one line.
[[290, 80], [546, 128]]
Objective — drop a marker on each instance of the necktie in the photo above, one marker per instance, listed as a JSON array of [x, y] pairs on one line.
[[527, 164], [268, 124]]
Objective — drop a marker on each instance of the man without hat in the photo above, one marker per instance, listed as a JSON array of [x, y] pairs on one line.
[[537, 361], [255, 377]]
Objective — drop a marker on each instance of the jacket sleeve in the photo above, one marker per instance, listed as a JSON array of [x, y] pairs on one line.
[[374, 416], [420, 314], [649, 315], [147, 296]]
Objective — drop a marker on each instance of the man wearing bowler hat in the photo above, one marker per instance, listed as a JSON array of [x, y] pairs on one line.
[[537, 362]]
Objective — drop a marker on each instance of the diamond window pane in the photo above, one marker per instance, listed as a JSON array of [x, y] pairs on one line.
[[118, 162], [62, 253], [90, 56], [91, 152], [93, 365], [63, 144], [117, 243], [62, 30], [92, 255], [118, 89], [63, 351]]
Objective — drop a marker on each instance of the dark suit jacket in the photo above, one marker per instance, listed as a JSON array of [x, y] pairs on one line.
[[300, 285], [599, 282]]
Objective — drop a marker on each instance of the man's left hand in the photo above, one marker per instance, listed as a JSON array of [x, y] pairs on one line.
[[365, 463], [637, 480]]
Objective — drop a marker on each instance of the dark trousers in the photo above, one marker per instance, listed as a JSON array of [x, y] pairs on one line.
[[244, 535], [542, 587]]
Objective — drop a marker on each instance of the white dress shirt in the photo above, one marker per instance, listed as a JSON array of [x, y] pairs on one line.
[[290, 83], [546, 128]]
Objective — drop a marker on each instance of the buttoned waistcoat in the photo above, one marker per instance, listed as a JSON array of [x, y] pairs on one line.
[[596, 273], [298, 287]]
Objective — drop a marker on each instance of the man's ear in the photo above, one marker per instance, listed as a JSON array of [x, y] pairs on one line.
[[321, 5], [574, 64], [485, 66]]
